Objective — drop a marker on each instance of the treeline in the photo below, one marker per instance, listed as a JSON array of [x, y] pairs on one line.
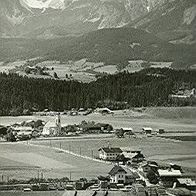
[[149, 87]]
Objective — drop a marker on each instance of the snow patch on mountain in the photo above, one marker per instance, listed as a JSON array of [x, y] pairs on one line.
[[15, 20], [16, 17], [190, 15], [44, 4]]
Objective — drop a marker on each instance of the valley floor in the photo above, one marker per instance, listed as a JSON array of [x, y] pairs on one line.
[[26, 159]]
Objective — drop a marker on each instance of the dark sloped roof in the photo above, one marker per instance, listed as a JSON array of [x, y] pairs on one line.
[[116, 169], [139, 155], [111, 150]]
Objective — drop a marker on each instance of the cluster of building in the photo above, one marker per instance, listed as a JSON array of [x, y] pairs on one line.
[[184, 96], [35, 128], [133, 168], [116, 154]]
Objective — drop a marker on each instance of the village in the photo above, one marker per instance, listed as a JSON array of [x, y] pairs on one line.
[[40, 129], [131, 170]]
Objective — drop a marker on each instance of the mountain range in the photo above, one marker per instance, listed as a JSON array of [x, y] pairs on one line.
[[53, 18], [173, 21], [109, 31]]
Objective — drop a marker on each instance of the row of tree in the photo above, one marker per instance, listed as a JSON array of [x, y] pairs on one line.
[[150, 87]]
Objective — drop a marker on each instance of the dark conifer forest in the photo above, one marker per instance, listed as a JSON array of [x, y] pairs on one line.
[[149, 87]]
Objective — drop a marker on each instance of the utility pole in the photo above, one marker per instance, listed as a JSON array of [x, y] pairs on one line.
[[80, 150], [70, 176], [60, 145], [92, 153]]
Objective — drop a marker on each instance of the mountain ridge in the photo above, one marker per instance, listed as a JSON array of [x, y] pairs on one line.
[[67, 14], [173, 21]]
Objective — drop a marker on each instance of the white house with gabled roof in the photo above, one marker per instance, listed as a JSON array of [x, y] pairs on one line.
[[109, 154]]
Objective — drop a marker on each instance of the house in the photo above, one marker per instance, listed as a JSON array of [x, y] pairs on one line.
[[104, 111], [117, 175], [147, 130], [22, 133], [105, 127], [161, 131], [148, 167], [183, 96], [131, 177], [21, 129], [175, 167], [109, 154], [168, 177], [186, 183], [163, 173], [134, 156], [121, 159], [92, 127], [127, 131], [139, 157]]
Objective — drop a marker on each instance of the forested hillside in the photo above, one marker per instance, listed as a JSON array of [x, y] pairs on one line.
[[110, 46], [149, 87]]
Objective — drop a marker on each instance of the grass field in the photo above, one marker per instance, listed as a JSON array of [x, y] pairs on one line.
[[180, 152], [81, 70], [24, 161], [171, 119]]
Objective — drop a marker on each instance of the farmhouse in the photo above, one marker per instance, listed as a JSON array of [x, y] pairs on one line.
[[127, 130], [117, 175], [148, 167], [146, 130], [139, 157], [22, 133], [109, 153], [169, 176], [21, 129], [184, 96], [161, 131], [186, 183], [134, 156], [104, 111], [131, 177]]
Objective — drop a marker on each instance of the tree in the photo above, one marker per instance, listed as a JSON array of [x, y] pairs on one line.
[[55, 75], [152, 177], [120, 133]]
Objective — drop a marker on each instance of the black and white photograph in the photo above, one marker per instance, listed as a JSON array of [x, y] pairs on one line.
[[97, 97]]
